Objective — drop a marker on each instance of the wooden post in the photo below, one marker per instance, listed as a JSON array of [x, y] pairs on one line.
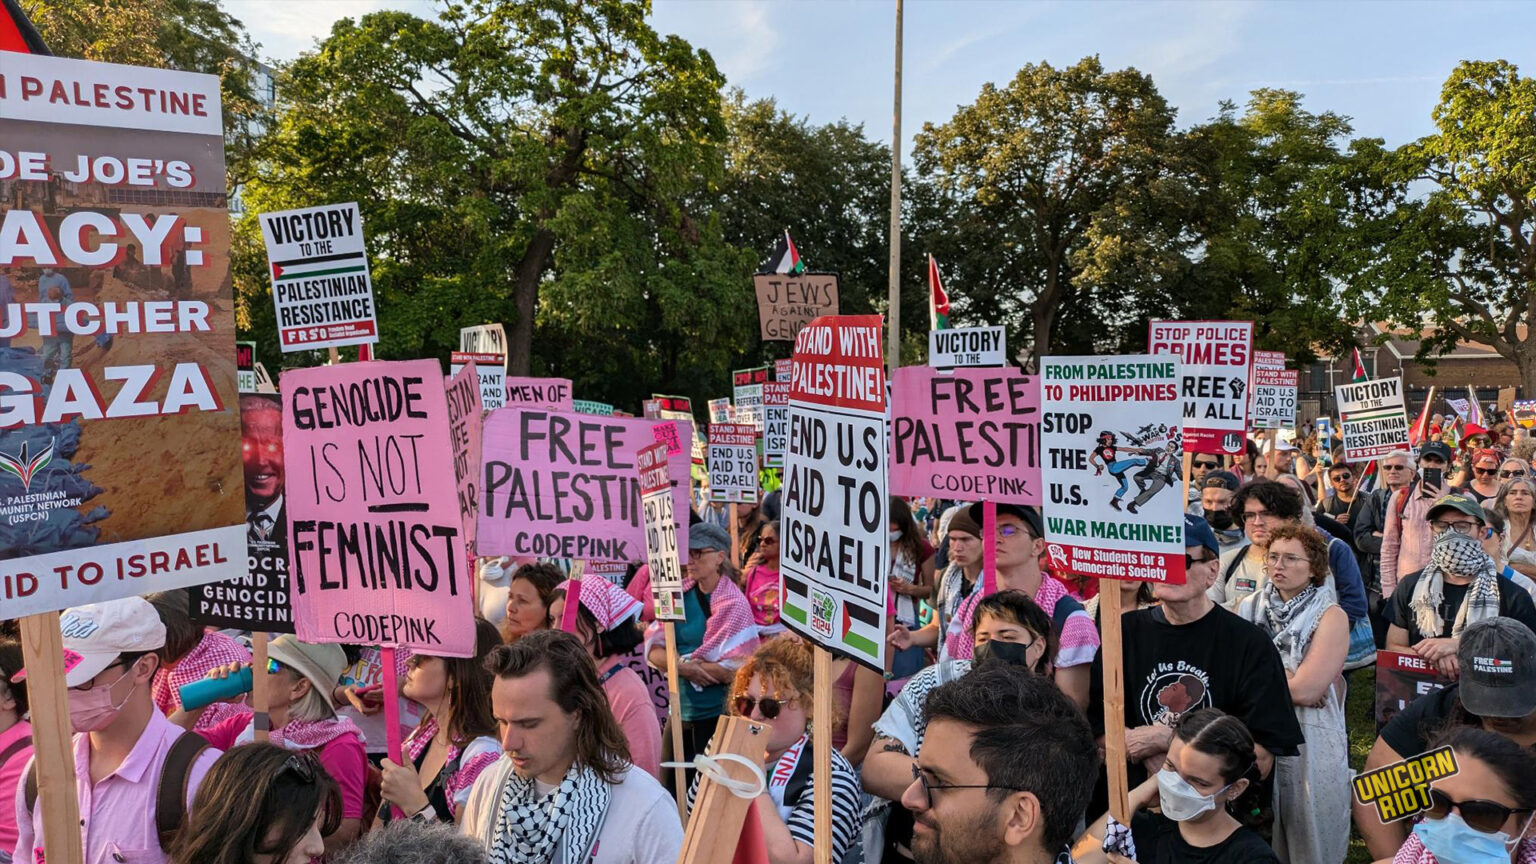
[[261, 722], [1189, 469], [988, 549], [821, 772], [675, 721], [893, 288], [42, 647], [713, 837], [735, 538], [1114, 701]]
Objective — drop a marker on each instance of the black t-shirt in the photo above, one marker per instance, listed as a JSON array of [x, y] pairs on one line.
[[1513, 603], [1158, 841], [1409, 731]]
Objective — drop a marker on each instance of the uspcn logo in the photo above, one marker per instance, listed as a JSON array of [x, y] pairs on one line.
[[24, 465]]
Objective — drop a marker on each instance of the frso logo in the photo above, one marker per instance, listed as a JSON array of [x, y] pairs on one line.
[[823, 607], [24, 465]]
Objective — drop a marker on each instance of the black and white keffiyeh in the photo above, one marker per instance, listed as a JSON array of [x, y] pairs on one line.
[[1464, 556], [529, 827]]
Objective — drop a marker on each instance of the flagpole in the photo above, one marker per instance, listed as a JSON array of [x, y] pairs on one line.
[[893, 324]]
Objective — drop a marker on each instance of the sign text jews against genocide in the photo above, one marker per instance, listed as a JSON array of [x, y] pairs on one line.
[[1109, 439], [775, 423], [492, 375], [834, 548], [465, 416], [966, 346], [320, 281], [1373, 418], [114, 234], [786, 303], [375, 533], [559, 485], [1215, 357], [733, 463], [970, 434], [660, 532]]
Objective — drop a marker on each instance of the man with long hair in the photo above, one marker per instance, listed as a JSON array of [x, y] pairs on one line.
[[565, 791]]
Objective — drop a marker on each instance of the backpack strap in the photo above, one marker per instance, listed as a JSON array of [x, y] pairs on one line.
[[30, 785], [175, 777], [15, 747]]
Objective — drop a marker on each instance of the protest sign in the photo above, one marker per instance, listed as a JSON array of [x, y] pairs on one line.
[[967, 435], [1274, 398], [660, 532], [1402, 677], [1506, 399], [587, 406], [775, 423], [720, 410], [320, 281], [966, 346], [465, 389], [616, 572], [667, 434], [492, 375], [1523, 413], [669, 407], [1373, 418], [733, 463], [1400, 790], [375, 534], [1215, 357], [258, 600], [245, 367], [563, 485], [545, 394], [835, 548], [120, 470], [786, 303], [485, 339], [747, 395], [1109, 439]]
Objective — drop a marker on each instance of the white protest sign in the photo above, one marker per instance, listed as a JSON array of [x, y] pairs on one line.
[[733, 463], [835, 549], [320, 280], [485, 339], [1270, 360], [493, 376], [1373, 418], [660, 532], [720, 410], [1215, 357], [775, 423], [966, 346], [1274, 398], [747, 395], [1109, 433]]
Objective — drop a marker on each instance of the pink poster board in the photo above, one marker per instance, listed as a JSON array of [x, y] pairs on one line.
[[464, 419], [548, 394], [375, 537], [970, 434]]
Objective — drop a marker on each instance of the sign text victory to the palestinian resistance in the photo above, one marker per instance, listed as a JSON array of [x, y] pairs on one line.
[[320, 281], [1373, 418]]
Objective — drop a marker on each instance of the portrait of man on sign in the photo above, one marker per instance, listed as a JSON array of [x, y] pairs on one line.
[[261, 447]]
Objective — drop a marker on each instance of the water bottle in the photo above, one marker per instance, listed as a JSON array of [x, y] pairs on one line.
[[211, 690]]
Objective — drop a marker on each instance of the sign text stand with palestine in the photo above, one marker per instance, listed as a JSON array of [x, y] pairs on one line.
[[666, 588]]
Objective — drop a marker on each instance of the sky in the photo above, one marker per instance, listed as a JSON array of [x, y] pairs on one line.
[[1379, 63]]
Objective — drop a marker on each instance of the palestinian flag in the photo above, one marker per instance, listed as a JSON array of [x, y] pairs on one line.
[[17, 33], [1418, 433], [938, 301], [1359, 373], [785, 259]]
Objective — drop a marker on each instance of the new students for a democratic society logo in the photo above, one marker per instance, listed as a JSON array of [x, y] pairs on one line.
[[24, 465]]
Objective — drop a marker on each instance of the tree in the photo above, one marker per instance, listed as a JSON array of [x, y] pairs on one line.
[[1444, 225]]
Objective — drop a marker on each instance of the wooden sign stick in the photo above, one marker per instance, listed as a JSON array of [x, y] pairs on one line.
[[1114, 701], [42, 647], [675, 721], [735, 539], [261, 722], [821, 739], [1189, 465]]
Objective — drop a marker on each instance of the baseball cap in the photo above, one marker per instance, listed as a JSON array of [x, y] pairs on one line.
[[1027, 515], [1285, 439], [97, 634], [1498, 668], [1221, 480], [321, 664], [707, 536], [1465, 504], [1435, 448], [1197, 532]]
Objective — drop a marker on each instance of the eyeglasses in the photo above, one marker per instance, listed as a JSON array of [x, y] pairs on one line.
[[1278, 558], [86, 687], [1394, 467], [769, 706], [1012, 530], [1508, 474], [1257, 514], [1485, 816], [1198, 463], [1440, 526], [302, 765], [1190, 560], [921, 778], [769, 541]]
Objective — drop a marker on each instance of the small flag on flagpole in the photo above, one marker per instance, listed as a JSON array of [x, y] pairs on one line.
[[785, 258], [1359, 372], [938, 301], [1419, 432], [17, 33]]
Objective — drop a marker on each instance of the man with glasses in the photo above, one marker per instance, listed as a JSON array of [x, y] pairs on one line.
[[1396, 473], [1406, 542], [124, 747], [1004, 774], [1459, 586], [1200, 467]]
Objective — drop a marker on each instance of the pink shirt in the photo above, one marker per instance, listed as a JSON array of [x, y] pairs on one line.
[[10, 778], [342, 757], [763, 593], [631, 702], [117, 815]]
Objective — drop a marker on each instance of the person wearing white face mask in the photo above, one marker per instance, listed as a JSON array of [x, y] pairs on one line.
[[1208, 766], [125, 749]]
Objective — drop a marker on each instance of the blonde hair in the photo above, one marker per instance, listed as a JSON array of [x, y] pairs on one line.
[[784, 663]]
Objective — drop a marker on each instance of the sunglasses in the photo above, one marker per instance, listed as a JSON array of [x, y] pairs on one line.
[[274, 667], [1485, 472], [1508, 474], [1190, 560], [1203, 464], [1484, 816], [1341, 476], [302, 765], [769, 707]]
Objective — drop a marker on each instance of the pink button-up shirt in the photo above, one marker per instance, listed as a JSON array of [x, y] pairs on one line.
[[117, 815], [10, 777]]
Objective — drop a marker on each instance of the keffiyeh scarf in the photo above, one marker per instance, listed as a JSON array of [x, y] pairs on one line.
[[307, 734], [1464, 556], [730, 634], [462, 776], [529, 828], [1290, 623]]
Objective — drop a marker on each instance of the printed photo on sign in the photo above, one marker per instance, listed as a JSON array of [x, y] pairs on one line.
[[787, 302], [1372, 417], [120, 467], [320, 281], [1215, 357], [1112, 463], [969, 435]]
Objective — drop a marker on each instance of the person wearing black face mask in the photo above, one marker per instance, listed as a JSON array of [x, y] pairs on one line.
[[1216, 493]]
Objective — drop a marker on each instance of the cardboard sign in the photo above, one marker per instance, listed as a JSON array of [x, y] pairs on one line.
[[375, 534], [1215, 357], [720, 410], [1374, 420], [545, 394], [733, 463], [835, 550], [119, 436], [586, 406], [787, 303], [558, 485], [492, 372], [245, 367], [967, 435], [1402, 677], [485, 339], [258, 600], [320, 279], [1506, 399], [966, 346], [660, 532], [775, 423], [465, 411], [1401, 790], [1274, 398], [1109, 438]]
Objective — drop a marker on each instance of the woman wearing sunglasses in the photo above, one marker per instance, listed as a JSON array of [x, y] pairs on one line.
[[1516, 502], [260, 804], [1483, 812], [760, 581], [774, 687], [1298, 611]]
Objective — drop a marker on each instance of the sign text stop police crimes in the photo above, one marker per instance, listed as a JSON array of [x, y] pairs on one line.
[[1216, 356], [1374, 420], [835, 548]]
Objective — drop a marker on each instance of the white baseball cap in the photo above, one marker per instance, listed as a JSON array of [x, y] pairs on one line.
[[1285, 439], [96, 635]]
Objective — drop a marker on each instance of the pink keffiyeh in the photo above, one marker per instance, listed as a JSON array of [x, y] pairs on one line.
[[730, 634], [213, 651], [459, 781], [607, 602]]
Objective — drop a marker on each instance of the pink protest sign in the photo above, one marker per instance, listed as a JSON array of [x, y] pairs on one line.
[[565, 485], [374, 533], [967, 434], [548, 394], [464, 419]]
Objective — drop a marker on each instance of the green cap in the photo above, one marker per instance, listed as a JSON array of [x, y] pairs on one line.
[[1460, 503]]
